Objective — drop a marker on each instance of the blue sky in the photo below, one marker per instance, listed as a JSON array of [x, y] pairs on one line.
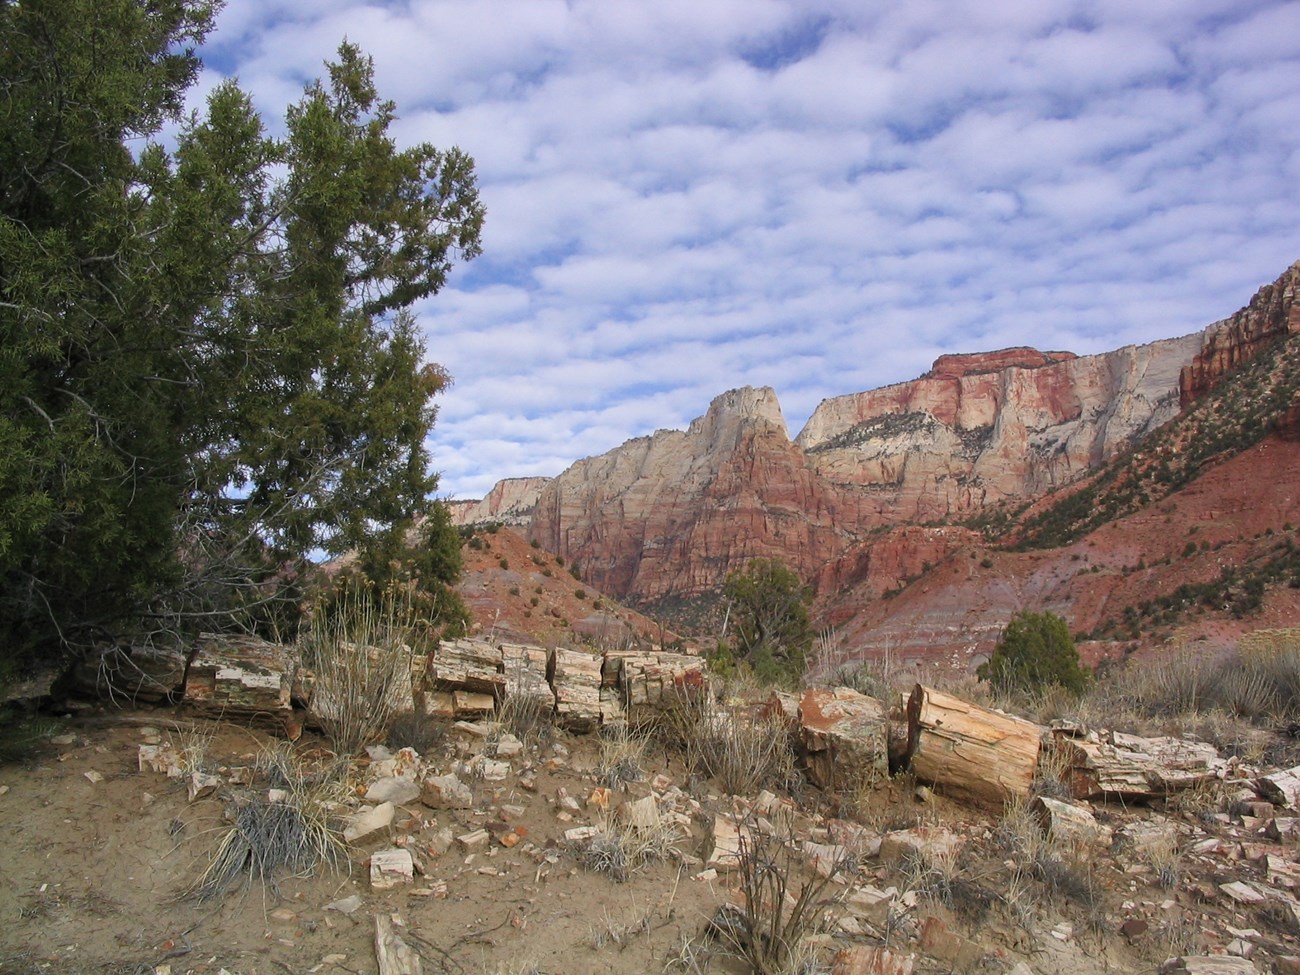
[[686, 196]]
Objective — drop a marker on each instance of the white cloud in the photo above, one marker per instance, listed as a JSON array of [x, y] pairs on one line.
[[817, 195]]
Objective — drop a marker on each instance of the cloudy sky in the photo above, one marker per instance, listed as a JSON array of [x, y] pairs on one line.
[[686, 196]]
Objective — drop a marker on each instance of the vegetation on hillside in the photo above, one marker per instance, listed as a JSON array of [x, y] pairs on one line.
[[1035, 652], [1240, 411], [769, 628], [208, 370]]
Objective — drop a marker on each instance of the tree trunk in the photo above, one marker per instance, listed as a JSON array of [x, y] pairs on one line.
[[970, 752]]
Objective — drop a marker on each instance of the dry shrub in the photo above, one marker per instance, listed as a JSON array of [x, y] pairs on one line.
[[360, 654], [742, 748], [1258, 682], [1061, 871], [1052, 775], [779, 911], [620, 849], [293, 833], [622, 753]]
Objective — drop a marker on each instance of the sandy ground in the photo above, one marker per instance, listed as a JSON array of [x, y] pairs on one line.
[[93, 877]]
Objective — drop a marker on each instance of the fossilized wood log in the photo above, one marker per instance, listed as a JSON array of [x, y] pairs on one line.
[[1118, 766], [394, 955], [525, 672], [137, 673], [970, 752], [842, 736], [1281, 788], [232, 676], [468, 665], [660, 680], [575, 678]]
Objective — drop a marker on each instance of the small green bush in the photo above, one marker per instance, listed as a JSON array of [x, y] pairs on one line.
[[1035, 652]]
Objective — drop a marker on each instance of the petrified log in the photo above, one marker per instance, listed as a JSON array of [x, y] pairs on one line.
[[525, 673], [1281, 788], [1112, 765], [468, 665], [968, 751], [232, 676], [575, 678], [144, 672], [842, 736], [659, 680]]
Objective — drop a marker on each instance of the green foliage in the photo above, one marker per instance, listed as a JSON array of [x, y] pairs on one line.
[[769, 619], [206, 367], [418, 568], [1035, 652], [1245, 406]]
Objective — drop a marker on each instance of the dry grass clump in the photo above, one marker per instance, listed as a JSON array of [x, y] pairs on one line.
[[1058, 870], [779, 912], [946, 880], [526, 717], [620, 849], [622, 754], [360, 653], [738, 745], [292, 832]]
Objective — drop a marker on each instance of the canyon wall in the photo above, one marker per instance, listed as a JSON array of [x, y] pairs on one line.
[[671, 514]]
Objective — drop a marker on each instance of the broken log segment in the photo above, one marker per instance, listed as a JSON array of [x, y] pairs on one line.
[[575, 678], [239, 676], [467, 665], [1112, 765], [970, 752], [842, 736]]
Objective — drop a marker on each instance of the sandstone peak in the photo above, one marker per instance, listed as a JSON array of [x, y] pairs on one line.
[[731, 409], [957, 365]]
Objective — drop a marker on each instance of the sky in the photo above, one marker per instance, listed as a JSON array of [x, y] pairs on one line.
[[821, 196]]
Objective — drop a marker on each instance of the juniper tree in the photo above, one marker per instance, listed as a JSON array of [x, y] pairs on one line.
[[207, 366]]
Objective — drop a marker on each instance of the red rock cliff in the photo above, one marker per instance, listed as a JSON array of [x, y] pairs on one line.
[[1271, 314]]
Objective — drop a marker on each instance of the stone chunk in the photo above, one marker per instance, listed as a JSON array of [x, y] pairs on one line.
[[446, 792], [161, 758], [1281, 788], [930, 844], [1242, 893], [870, 960], [640, 813], [473, 839], [842, 735], [1209, 965], [369, 820], [728, 838], [388, 868], [202, 784], [1068, 822], [394, 789]]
